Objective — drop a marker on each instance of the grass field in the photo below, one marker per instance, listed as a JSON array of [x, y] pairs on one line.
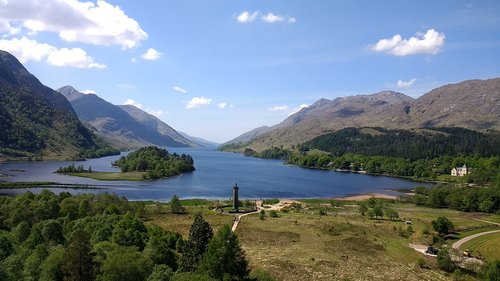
[[487, 245], [110, 176], [341, 245]]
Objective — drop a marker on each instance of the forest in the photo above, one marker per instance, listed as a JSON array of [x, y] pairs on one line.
[[415, 144], [156, 162], [105, 237]]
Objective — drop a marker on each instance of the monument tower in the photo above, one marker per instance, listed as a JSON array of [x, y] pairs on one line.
[[235, 196]]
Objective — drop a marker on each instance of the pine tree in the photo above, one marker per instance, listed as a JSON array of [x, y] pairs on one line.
[[199, 237], [77, 263], [175, 205], [224, 258]]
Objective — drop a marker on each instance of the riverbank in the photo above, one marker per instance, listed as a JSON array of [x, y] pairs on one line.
[[110, 176]]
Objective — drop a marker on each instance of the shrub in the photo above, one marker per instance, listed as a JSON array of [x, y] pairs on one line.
[[273, 214]]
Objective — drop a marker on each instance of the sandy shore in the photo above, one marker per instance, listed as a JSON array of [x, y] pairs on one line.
[[363, 197]]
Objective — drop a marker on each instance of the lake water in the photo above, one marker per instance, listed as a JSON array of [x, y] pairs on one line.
[[216, 173]]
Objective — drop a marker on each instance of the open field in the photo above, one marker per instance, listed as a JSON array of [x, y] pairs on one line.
[[487, 245], [110, 176], [341, 244]]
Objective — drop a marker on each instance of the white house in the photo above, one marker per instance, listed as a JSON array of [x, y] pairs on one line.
[[460, 171]]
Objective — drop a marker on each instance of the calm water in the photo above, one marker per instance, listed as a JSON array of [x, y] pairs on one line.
[[216, 172]]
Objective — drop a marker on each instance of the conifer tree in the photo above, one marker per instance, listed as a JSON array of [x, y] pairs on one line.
[[77, 262], [199, 237], [175, 205], [224, 259]]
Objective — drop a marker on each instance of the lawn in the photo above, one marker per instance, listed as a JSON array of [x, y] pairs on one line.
[[110, 176], [487, 245]]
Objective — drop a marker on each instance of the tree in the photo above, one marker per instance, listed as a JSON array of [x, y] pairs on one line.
[[197, 243], [175, 205], [442, 225], [51, 266], [158, 251], [5, 247], [444, 261], [391, 214], [370, 213], [161, 273], [126, 264], [224, 258], [362, 209], [77, 262], [377, 210]]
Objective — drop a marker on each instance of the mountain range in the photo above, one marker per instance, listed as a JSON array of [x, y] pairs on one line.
[[472, 104], [125, 126], [36, 121]]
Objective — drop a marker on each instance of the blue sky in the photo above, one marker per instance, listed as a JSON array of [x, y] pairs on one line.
[[216, 69]]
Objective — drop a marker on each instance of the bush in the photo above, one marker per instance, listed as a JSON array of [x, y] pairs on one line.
[[444, 261], [421, 263], [273, 214]]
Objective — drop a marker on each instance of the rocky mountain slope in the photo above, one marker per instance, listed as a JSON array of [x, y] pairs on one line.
[[472, 104], [200, 141], [118, 126], [36, 121]]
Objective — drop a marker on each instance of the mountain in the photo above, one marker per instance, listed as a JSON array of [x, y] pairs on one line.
[[472, 104], [200, 141], [37, 121], [156, 124], [122, 126], [248, 136]]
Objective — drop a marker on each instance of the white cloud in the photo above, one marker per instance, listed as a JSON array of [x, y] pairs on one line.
[[272, 18], [95, 23], [75, 57], [125, 86], [157, 113], [292, 20], [246, 17], [222, 105], [133, 102], [6, 29], [428, 43], [278, 108], [406, 84], [297, 109], [25, 49], [197, 102], [151, 54], [133, 60], [88, 92], [179, 89]]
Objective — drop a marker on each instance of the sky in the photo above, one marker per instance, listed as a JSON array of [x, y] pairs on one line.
[[218, 68]]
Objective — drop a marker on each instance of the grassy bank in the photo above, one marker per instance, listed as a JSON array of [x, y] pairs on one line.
[[110, 176]]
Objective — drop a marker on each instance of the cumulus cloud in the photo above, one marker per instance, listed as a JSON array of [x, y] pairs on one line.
[[278, 108], [94, 23], [88, 92], [151, 54], [75, 57], [6, 29], [179, 89], [26, 49], [246, 17], [428, 43], [197, 102], [406, 84], [134, 103], [297, 109], [272, 18], [222, 105]]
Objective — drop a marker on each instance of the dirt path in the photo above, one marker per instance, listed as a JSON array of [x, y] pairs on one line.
[[238, 217], [420, 248], [276, 207], [459, 243]]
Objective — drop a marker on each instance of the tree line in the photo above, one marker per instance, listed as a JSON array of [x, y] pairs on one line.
[[104, 237], [156, 162]]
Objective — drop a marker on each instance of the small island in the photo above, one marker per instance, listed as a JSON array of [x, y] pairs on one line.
[[147, 163]]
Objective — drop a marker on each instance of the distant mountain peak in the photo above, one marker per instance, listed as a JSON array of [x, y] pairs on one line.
[[70, 93]]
